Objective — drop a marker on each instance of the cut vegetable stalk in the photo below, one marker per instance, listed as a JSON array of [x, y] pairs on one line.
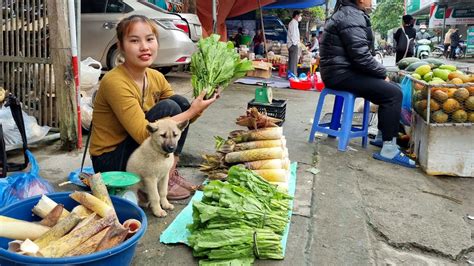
[[21, 230], [255, 155], [59, 230], [45, 206], [93, 203]]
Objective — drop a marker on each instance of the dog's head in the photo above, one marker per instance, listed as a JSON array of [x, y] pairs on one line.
[[165, 133]]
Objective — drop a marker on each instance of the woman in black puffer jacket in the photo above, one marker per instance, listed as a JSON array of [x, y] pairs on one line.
[[347, 64]]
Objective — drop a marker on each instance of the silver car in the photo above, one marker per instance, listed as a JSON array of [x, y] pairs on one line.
[[177, 36]]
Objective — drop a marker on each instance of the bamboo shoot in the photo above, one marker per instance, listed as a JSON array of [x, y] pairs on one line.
[[86, 220], [93, 203], [271, 133], [81, 211], [254, 155], [273, 175], [132, 225], [89, 246], [27, 247], [45, 206], [114, 236], [53, 216], [268, 164], [258, 144], [99, 189], [21, 230], [59, 230], [70, 241]]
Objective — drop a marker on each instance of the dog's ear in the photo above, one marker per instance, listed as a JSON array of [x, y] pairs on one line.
[[151, 128], [183, 125]]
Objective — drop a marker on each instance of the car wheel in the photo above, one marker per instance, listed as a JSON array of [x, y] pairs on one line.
[[164, 70], [114, 58]]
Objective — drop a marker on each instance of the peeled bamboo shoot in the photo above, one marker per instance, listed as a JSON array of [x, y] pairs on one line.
[[21, 230], [268, 164], [133, 226], [81, 211], [99, 189], [254, 155], [70, 241], [53, 216], [258, 144], [271, 133], [27, 247], [59, 230], [89, 246], [93, 203], [273, 175], [45, 206]]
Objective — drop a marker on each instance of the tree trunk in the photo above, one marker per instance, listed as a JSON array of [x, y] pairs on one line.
[[64, 78]]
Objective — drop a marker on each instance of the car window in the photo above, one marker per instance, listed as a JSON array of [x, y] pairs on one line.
[[115, 6], [92, 6]]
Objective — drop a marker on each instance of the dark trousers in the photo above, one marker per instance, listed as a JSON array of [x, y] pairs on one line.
[[117, 159], [446, 47], [387, 95], [452, 54], [293, 59], [399, 55]]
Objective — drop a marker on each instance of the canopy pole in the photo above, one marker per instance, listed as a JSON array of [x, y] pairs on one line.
[[214, 16], [263, 28], [444, 22]]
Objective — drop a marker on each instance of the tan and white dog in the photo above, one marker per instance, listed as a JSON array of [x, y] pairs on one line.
[[152, 161]]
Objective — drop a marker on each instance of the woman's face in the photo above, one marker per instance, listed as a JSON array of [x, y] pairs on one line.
[[139, 46]]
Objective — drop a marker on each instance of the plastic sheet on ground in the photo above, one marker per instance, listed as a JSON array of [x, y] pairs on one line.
[[177, 232]]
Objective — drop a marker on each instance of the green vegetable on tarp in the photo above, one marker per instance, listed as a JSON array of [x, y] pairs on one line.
[[215, 64], [231, 262]]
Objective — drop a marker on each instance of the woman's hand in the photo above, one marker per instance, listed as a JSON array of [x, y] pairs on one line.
[[387, 79], [200, 104]]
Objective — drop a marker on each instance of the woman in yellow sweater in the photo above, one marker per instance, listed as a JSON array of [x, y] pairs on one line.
[[132, 94]]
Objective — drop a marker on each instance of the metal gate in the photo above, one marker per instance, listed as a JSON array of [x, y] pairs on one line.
[[26, 67]]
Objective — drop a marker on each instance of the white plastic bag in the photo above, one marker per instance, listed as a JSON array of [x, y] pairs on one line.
[[90, 73], [86, 112], [11, 134]]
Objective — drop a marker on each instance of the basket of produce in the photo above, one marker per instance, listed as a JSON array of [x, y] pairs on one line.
[[441, 94], [71, 228]]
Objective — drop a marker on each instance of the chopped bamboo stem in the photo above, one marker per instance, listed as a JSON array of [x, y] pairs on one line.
[[21, 230], [93, 203], [254, 155], [53, 216], [89, 246], [258, 144], [70, 241], [99, 189], [271, 133], [273, 175], [268, 164], [59, 230], [81, 211]]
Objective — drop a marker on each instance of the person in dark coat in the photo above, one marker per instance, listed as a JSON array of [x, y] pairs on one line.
[[347, 64], [455, 38], [404, 47]]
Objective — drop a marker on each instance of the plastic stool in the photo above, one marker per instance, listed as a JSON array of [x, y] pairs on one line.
[[282, 70], [343, 106]]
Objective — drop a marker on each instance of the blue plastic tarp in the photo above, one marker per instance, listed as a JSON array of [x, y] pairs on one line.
[[295, 4]]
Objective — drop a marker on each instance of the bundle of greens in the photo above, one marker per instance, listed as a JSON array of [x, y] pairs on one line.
[[236, 243], [215, 64]]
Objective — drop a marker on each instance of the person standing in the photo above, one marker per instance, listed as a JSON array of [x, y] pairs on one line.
[[347, 64], [404, 38], [455, 38], [447, 42], [293, 41]]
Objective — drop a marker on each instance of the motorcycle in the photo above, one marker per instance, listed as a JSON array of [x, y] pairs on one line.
[[438, 51], [423, 49], [461, 49]]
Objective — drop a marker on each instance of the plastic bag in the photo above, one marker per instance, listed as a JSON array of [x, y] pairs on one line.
[[22, 185], [406, 102], [90, 73], [11, 133], [86, 112]]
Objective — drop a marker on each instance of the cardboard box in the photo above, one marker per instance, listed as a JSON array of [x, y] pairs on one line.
[[262, 70]]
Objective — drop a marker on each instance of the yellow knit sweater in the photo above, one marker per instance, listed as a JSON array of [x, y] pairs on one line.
[[118, 110]]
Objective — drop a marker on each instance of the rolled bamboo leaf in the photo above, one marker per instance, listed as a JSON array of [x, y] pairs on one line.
[[45, 206], [254, 155], [271, 133], [59, 230], [70, 241], [258, 144], [267, 164], [113, 237], [93, 203], [133, 226], [53, 216], [273, 175], [89, 246], [21, 230]]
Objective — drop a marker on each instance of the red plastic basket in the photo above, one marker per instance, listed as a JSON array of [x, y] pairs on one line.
[[301, 85]]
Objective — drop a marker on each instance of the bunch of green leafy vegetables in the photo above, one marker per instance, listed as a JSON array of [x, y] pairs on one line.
[[215, 64], [239, 219]]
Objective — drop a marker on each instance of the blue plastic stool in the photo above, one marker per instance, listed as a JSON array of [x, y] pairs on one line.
[[343, 106]]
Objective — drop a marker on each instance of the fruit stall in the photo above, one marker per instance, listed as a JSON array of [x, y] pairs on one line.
[[443, 116]]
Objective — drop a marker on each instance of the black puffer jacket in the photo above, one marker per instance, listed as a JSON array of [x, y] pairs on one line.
[[346, 46]]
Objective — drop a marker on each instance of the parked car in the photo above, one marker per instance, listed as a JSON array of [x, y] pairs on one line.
[[275, 30], [98, 36]]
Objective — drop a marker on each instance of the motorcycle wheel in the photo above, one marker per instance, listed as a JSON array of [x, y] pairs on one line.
[[437, 52]]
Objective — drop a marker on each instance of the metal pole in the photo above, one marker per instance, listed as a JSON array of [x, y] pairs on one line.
[[214, 16], [444, 21], [263, 28]]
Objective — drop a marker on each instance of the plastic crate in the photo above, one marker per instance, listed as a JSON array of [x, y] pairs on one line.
[[277, 109]]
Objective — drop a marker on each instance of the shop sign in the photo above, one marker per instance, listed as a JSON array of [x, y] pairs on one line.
[[470, 40], [458, 16]]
